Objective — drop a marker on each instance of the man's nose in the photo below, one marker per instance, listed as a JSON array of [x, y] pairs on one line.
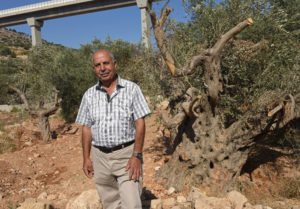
[[102, 67]]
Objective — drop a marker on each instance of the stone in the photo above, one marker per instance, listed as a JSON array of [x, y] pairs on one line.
[[28, 143], [168, 202], [258, 207], [155, 203], [171, 190], [51, 197], [296, 207], [86, 200], [164, 105], [23, 190], [6, 108], [62, 196], [237, 199], [32, 203], [194, 194], [177, 207], [181, 199], [43, 196], [200, 204], [36, 155], [187, 205], [157, 168]]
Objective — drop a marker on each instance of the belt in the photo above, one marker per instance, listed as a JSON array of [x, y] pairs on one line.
[[111, 149]]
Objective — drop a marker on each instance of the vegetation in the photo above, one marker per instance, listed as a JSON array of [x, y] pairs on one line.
[[239, 84], [258, 66], [5, 51]]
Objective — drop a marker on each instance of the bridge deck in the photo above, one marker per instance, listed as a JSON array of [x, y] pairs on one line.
[[58, 8]]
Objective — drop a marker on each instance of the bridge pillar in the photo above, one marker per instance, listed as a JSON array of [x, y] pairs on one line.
[[145, 7], [36, 34]]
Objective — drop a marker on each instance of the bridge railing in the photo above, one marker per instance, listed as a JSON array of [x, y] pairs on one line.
[[37, 6]]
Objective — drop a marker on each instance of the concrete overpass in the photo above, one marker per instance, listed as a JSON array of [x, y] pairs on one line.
[[35, 14]]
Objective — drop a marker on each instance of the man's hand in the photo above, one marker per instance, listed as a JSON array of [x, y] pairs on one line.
[[134, 166], [88, 168], [86, 149]]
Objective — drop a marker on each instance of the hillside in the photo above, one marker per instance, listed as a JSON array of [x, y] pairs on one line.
[[54, 171], [13, 43]]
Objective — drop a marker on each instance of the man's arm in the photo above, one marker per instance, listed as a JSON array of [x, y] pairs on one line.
[[134, 164], [86, 150]]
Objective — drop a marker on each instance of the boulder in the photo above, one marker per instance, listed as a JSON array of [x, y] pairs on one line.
[[86, 200], [237, 199]]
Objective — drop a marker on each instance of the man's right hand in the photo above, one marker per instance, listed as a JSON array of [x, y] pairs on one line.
[[88, 168]]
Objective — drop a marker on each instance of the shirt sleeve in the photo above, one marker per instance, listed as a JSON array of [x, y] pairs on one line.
[[83, 116], [140, 106]]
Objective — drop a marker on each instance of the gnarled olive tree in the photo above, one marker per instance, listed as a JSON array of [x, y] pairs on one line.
[[42, 114], [208, 153]]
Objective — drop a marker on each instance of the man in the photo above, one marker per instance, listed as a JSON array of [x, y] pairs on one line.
[[112, 115]]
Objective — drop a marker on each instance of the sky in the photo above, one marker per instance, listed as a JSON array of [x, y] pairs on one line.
[[122, 23]]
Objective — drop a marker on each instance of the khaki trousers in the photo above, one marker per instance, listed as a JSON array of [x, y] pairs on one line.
[[115, 189]]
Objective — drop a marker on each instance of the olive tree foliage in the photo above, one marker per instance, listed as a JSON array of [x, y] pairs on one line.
[[72, 74], [9, 69], [263, 58], [240, 81], [29, 80], [29, 75]]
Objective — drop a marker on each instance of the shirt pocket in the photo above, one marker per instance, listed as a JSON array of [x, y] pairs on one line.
[[125, 118], [97, 110]]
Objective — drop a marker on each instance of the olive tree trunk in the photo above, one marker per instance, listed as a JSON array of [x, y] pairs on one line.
[[42, 115], [205, 152]]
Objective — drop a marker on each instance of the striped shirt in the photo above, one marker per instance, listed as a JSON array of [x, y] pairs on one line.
[[112, 118]]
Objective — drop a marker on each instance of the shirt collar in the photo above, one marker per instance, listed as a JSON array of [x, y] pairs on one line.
[[120, 83]]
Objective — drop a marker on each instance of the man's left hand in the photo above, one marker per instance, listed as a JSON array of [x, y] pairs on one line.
[[134, 166]]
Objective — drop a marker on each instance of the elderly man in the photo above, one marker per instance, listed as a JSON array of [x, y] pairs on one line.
[[112, 115]]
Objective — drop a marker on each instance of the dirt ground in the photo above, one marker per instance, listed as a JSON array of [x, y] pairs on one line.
[[55, 168]]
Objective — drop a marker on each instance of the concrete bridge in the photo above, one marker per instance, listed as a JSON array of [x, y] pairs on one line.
[[35, 14]]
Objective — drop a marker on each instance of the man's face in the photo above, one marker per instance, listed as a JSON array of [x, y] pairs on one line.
[[104, 66]]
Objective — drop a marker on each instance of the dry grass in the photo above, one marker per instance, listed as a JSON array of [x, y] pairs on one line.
[[10, 138], [290, 188], [6, 144]]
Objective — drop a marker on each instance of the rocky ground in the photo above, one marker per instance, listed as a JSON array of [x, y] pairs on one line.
[[54, 170]]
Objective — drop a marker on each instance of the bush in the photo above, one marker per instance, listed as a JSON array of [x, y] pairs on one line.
[[5, 51]]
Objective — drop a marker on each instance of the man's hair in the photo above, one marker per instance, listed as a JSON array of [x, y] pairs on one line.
[[109, 52]]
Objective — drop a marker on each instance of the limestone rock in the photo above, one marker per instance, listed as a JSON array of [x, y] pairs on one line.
[[32, 203], [168, 203], [194, 194], [155, 203], [86, 200], [43, 196], [181, 199], [171, 190], [237, 199]]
